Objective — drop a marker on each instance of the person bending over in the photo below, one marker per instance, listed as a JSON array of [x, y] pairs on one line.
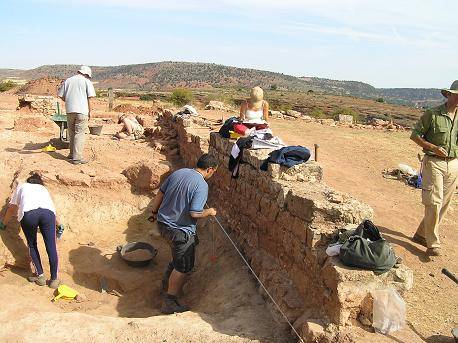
[[35, 210]]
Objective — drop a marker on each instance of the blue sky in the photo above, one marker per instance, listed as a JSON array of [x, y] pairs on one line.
[[391, 43]]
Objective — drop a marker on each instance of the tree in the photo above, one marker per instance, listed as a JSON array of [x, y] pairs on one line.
[[181, 96], [7, 85]]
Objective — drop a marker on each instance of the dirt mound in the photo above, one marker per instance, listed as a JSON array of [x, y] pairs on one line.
[[43, 86], [126, 108]]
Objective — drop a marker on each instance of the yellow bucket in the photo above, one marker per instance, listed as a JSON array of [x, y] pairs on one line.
[[65, 292]]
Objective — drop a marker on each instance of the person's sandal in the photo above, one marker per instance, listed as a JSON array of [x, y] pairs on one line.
[[39, 280]]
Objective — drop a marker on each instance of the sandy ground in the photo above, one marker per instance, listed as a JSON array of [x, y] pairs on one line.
[[226, 305]]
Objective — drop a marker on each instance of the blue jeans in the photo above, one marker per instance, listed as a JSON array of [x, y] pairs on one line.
[[46, 221]]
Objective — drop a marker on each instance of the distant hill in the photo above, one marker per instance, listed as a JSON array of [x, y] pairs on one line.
[[169, 75]]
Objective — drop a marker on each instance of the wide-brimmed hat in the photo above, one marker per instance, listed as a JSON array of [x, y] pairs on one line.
[[256, 96], [453, 89], [85, 70]]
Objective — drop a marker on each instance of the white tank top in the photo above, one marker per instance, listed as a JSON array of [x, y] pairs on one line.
[[254, 115], [29, 197]]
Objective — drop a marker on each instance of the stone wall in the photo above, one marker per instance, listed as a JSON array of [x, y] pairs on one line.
[[283, 219], [43, 104]]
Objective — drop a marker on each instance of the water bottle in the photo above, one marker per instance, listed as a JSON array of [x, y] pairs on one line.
[[60, 231]]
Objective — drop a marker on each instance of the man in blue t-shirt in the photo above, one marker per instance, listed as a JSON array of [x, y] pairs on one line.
[[177, 206]]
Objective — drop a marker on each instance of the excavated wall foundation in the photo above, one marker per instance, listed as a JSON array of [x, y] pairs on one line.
[[283, 220]]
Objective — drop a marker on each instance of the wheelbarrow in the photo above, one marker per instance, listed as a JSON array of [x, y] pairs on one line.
[[61, 120]]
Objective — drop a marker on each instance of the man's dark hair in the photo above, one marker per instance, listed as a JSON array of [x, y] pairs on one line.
[[207, 161], [35, 178]]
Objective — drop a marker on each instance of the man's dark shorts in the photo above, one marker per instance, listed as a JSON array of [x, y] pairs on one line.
[[183, 246]]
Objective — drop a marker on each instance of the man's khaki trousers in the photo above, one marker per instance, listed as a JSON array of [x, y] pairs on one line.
[[439, 182], [77, 125]]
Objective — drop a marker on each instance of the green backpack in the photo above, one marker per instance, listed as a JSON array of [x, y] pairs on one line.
[[374, 254]]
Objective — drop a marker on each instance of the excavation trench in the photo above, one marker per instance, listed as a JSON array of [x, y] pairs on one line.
[[220, 291]]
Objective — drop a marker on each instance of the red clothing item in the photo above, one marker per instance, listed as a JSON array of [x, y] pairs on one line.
[[241, 128]]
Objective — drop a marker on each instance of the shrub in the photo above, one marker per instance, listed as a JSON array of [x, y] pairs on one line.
[[318, 113], [147, 97], [7, 85], [346, 111], [380, 100], [181, 96], [282, 107], [273, 87]]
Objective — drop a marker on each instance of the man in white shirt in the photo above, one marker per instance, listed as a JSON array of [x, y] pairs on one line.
[[77, 92]]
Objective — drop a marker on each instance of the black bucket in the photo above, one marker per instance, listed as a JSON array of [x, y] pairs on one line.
[[132, 246]]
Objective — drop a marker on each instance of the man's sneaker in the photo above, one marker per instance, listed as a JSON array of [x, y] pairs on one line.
[[173, 306], [418, 239], [433, 252], [79, 161], [54, 284], [39, 280]]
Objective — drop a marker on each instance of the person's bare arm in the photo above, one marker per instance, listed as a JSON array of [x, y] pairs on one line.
[[157, 202], [243, 108], [205, 213], [265, 111], [429, 146], [10, 213], [90, 106]]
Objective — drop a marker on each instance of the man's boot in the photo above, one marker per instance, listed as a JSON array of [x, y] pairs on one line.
[[171, 305]]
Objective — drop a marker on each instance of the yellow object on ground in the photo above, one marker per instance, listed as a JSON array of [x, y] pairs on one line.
[[234, 135], [47, 148], [65, 292]]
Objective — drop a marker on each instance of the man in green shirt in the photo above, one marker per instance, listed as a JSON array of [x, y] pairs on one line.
[[437, 133]]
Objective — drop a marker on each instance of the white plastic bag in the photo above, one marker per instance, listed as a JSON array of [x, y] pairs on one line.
[[389, 311], [407, 169], [333, 249]]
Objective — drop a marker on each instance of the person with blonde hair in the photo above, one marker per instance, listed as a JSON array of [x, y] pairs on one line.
[[254, 113]]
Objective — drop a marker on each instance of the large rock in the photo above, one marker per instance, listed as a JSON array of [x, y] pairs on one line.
[[292, 113], [345, 119], [145, 176], [218, 105]]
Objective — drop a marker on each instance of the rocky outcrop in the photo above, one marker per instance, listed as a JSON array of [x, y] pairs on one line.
[[146, 176]]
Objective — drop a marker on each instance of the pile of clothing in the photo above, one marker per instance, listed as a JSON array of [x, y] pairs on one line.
[[186, 112], [262, 138], [404, 173]]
